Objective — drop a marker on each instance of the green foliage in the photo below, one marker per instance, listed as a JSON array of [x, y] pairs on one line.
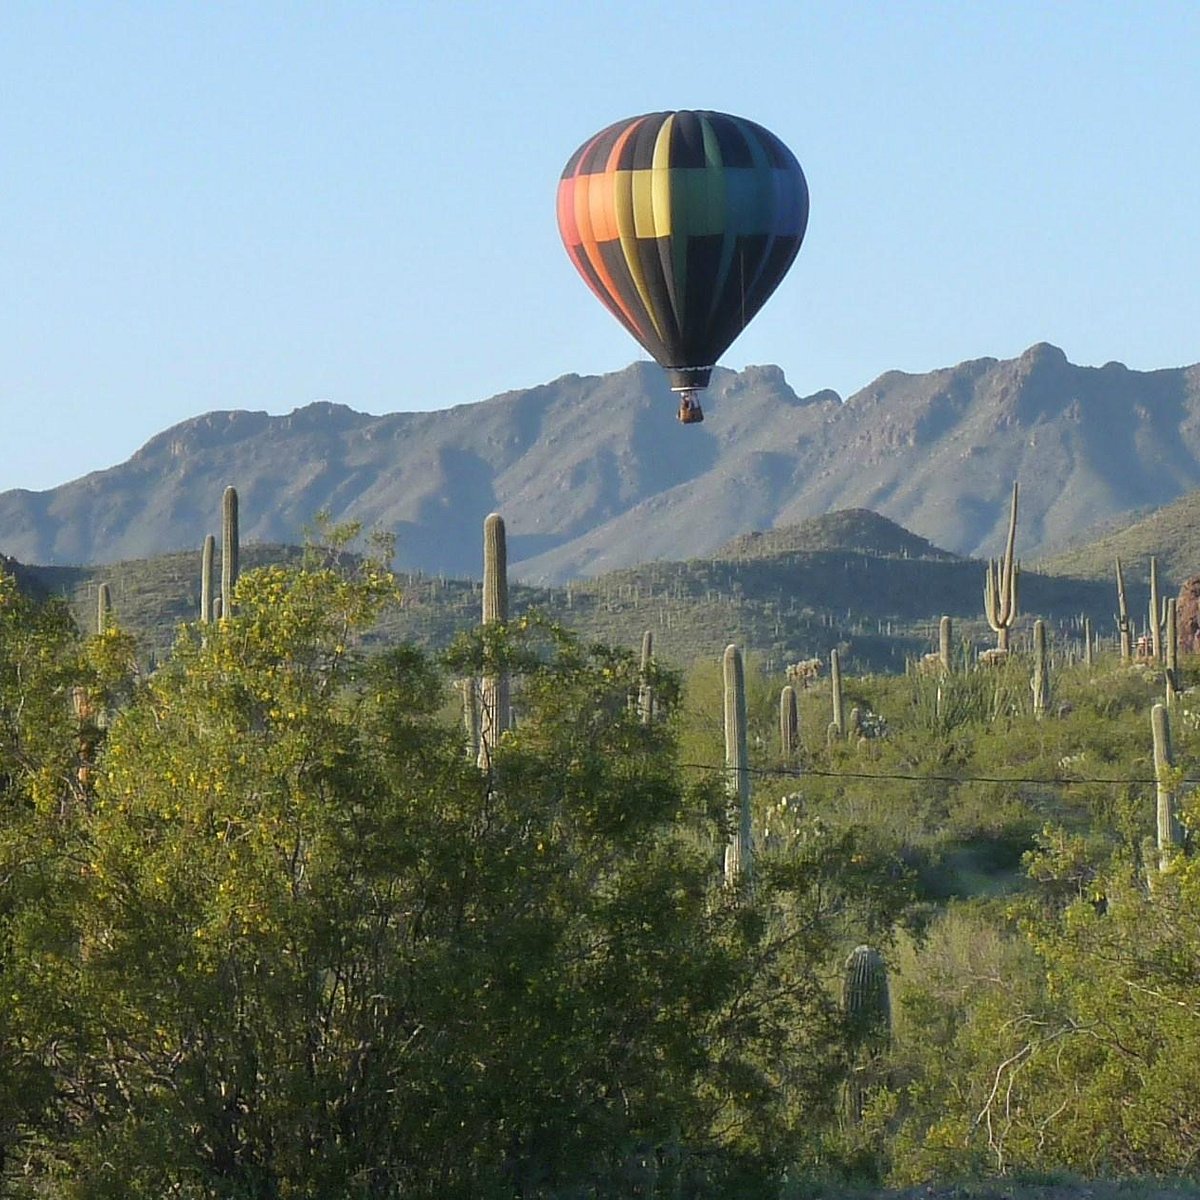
[[286, 940], [266, 931]]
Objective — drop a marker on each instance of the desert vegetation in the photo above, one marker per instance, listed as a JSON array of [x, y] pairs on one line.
[[293, 913]]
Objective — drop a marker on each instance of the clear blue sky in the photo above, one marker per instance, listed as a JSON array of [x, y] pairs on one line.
[[257, 205]]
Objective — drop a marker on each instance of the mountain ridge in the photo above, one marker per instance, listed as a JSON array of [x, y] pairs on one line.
[[593, 474]]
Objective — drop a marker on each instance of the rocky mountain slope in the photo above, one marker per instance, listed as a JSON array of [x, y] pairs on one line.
[[594, 473]]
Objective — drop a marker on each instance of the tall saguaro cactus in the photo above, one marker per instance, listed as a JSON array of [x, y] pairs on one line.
[[1087, 641], [737, 768], [867, 1011], [789, 723], [1000, 583], [645, 691], [837, 728], [496, 715], [1171, 649], [865, 993], [469, 689], [229, 550], [206, 578], [1041, 670], [1123, 626], [946, 645], [103, 607], [1157, 613], [1170, 833]]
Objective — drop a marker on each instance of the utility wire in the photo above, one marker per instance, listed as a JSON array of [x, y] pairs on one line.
[[1053, 781]]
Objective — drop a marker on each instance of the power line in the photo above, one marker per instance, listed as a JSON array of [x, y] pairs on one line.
[[1052, 781]]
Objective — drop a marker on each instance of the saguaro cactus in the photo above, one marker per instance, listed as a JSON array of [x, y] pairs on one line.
[[737, 768], [206, 578], [1087, 641], [496, 715], [1170, 833], [789, 723], [645, 691], [1123, 626], [868, 1013], [1000, 584], [837, 728], [946, 645], [1041, 670], [865, 998], [1171, 650], [1158, 614], [103, 608], [469, 689], [229, 550]]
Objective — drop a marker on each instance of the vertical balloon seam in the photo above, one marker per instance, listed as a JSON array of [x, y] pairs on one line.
[[622, 188], [769, 217], [569, 205], [729, 241], [583, 264], [661, 189], [584, 212], [644, 246]]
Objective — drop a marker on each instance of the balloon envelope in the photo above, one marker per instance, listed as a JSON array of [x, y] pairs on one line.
[[683, 224]]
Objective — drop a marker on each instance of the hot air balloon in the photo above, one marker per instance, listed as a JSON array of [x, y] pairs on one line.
[[683, 224]]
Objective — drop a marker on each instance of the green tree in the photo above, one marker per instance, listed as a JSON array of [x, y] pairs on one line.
[[54, 693], [283, 939]]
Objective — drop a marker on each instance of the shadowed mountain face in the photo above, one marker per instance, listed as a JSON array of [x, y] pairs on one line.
[[594, 473]]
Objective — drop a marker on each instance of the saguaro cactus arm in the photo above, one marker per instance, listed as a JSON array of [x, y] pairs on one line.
[[1157, 613], [1123, 626]]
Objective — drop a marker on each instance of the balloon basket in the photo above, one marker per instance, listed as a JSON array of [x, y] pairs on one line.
[[690, 412]]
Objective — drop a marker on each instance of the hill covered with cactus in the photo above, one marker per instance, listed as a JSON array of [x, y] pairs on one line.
[[1171, 533], [593, 473], [850, 580]]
